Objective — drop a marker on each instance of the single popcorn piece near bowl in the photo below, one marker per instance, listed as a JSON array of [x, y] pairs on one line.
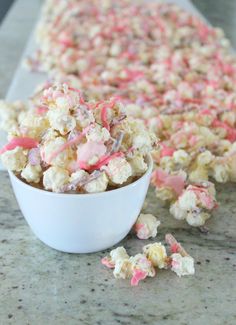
[[156, 253], [66, 144], [146, 226], [181, 263]]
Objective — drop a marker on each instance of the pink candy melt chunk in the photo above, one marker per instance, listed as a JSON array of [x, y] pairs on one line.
[[138, 275], [162, 179], [23, 142]]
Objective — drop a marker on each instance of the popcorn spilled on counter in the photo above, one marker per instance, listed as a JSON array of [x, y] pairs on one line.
[[154, 257], [64, 143], [146, 226]]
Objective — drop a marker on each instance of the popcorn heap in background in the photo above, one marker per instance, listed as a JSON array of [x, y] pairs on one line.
[[69, 144], [172, 71]]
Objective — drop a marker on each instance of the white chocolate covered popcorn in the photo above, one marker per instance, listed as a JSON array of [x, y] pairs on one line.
[[182, 265], [119, 170], [154, 256], [156, 253], [54, 178], [15, 159], [99, 184], [76, 145], [146, 226], [194, 204], [32, 173]]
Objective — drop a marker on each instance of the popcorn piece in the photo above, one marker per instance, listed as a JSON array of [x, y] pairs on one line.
[[123, 269], [220, 172], [98, 134], [61, 121], [99, 184], [138, 165], [118, 170], [182, 158], [193, 204], [15, 159], [117, 254], [54, 178], [146, 226], [177, 212], [188, 200], [52, 146], [182, 265], [32, 174], [156, 253], [197, 218]]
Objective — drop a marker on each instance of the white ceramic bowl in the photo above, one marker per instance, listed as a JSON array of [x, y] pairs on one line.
[[82, 223]]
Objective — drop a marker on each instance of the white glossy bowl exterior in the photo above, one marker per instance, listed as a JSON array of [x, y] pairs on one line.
[[81, 223]]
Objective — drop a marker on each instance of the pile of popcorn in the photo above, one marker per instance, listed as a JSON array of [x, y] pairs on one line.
[[171, 70], [153, 257], [64, 143]]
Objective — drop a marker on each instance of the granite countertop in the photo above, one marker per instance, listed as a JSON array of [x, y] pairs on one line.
[[42, 286]]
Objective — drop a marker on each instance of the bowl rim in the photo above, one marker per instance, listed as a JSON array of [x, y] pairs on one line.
[[86, 195]]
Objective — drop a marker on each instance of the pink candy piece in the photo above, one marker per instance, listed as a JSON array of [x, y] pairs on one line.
[[23, 142], [138, 275], [166, 151], [105, 261], [89, 150], [160, 178]]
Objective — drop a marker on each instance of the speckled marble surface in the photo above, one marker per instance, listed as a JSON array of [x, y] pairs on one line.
[[39, 285]]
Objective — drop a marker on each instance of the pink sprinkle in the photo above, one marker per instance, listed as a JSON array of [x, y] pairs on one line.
[[23, 142], [138, 275]]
